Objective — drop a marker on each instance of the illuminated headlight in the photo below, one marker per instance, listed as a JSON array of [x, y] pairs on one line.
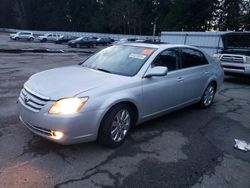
[[217, 56], [248, 59], [67, 106]]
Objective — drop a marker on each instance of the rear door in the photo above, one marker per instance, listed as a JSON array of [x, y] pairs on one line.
[[163, 93], [195, 68]]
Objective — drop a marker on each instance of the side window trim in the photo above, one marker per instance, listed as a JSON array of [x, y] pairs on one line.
[[181, 58], [178, 58]]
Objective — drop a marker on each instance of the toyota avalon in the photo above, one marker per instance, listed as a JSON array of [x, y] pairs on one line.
[[117, 88]]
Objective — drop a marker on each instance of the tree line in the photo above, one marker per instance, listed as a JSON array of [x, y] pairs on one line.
[[126, 16]]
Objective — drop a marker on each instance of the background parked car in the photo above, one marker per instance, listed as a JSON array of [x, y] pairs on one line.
[[144, 41], [103, 41], [65, 39], [82, 41], [49, 37], [235, 56], [124, 40], [22, 35]]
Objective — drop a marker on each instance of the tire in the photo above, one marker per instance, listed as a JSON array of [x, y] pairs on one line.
[[77, 45], [208, 96], [17, 38], [115, 126], [31, 39]]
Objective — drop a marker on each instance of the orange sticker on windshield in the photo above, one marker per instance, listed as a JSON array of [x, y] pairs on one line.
[[147, 52]]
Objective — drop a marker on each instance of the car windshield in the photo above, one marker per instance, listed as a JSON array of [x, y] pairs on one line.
[[121, 60]]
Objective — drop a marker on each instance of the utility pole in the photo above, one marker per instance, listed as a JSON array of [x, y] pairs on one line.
[[154, 30], [154, 27]]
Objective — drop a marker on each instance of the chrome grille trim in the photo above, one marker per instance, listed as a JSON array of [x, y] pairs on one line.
[[31, 101], [232, 59], [36, 94]]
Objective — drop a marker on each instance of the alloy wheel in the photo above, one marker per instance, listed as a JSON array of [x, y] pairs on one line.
[[209, 95], [120, 125]]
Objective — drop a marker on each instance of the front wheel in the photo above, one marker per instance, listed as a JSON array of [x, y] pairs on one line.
[[115, 126], [208, 96]]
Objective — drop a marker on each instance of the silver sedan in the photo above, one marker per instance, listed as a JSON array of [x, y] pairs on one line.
[[117, 88]]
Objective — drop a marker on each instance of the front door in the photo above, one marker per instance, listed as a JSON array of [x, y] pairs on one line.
[[163, 93]]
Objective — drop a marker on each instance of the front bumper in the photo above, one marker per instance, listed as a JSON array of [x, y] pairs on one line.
[[236, 68], [77, 128]]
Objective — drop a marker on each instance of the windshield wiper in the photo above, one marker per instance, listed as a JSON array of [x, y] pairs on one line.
[[103, 70]]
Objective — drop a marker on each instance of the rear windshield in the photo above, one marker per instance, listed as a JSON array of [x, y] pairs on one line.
[[121, 60]]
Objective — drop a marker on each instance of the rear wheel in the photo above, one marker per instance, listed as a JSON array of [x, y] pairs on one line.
[[115, 126], [17, 38], [208, 96], [31, 39], [78, 45]]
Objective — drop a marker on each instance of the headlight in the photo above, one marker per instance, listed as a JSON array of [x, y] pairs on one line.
[[67, 106], [217, 56], [248, 59]]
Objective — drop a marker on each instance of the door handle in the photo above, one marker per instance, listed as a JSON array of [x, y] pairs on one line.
[[180, 79]]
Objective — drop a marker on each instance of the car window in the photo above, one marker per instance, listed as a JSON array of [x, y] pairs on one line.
[[192, 58], [169, 58]]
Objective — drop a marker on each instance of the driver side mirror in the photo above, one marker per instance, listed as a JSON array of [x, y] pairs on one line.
[[156, 71]]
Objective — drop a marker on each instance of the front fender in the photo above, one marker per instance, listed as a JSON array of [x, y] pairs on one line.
[[120, 98]]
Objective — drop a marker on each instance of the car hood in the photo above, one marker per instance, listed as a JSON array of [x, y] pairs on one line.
[[67, 81]]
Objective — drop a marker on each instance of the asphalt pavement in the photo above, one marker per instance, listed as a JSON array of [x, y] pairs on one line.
[[192, 147]]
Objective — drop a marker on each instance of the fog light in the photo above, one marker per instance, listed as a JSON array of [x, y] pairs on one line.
[[56, 135]]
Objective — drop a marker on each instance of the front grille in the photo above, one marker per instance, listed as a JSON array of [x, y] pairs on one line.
[[232, 59], [32, 101]]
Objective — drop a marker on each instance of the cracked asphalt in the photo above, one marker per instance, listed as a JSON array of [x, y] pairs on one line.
[[192, 147]]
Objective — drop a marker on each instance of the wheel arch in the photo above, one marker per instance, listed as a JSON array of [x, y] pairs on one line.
[[131, 104], [213, 81]]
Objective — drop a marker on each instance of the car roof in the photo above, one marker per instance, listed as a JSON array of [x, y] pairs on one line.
[[158, 46]]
